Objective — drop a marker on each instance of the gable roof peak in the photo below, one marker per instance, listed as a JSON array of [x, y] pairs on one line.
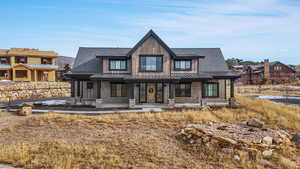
[[156, 37]]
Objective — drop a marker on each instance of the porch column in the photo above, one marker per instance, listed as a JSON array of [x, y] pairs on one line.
[[35, 75], [232, 101], [232, 88], [131, 95], [171, 100]]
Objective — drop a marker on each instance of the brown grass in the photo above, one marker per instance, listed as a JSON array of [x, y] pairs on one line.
[[138, 140]]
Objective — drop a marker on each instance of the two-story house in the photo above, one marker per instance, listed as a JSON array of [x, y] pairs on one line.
[[151, 73], [22, 64]]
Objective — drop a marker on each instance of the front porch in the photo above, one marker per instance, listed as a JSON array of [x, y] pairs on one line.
[[191, 94]]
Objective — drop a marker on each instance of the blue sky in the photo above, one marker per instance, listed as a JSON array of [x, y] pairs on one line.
[[248, 29]]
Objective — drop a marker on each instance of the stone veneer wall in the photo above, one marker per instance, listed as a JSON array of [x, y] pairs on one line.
[[10, 91]]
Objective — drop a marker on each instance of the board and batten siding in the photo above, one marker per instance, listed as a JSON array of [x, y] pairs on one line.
[[151, 47]]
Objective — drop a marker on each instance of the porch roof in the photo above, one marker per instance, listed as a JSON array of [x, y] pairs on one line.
[[42, 66], [5, 66]]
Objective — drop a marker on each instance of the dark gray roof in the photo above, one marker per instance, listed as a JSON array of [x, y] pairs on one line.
[[86, 60]]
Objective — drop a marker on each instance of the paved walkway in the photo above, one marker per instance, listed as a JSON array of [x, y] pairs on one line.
[[144, 110], [2, 166]]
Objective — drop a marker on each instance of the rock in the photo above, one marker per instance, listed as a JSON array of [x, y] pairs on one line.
[[265, 163], [253, 122], [267, 153], [236, 158], [25, 111], [243, 123], [225, 140], [267, 140], [296, 138]]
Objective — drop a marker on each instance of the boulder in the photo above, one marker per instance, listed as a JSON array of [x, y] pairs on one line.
[[267, 153], [236, 158], [25, 111], [27, 104], [267, 140], [296, 138], [265, 163], [253, 122]]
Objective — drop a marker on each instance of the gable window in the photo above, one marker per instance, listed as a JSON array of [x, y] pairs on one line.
[[210, 89], [21, 59], [118, 90], [151, 63], [182, 65], [117, 64], [183, 90]]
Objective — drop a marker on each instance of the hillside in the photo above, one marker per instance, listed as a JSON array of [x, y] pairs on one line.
[[63, 60], [137, 140]]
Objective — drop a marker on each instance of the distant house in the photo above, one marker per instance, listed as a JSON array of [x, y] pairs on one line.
[[267, 73], [22, 64], [64, 64], [297, 69], [151, 73]]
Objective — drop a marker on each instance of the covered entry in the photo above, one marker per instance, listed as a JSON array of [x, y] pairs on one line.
[[151, 92]]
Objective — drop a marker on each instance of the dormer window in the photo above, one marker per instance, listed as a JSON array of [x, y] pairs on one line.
[[182, 65], [151, 63], [117, 64]]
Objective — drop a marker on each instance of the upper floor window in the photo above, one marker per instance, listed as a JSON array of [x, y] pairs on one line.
[[183, 65], [151, 63], [210, 89], [21, 59], [277, 67], [117, 64], [4, 60], [47, 61]]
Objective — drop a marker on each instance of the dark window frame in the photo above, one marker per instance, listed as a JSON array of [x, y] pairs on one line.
[[89, 85], [179, 60], [204, 95], [46, 61], [189, 94], [124, 87], [7, 60], [23, 75], [109, 65], [20, 57], [140, 63]]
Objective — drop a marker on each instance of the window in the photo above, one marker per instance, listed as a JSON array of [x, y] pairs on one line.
[[151, 64], [46, 61], [21, 73], [89, 85], [277, 68], [183, 90], [183, 65], [21, 59], [118, 90], [211, 89], [117, 64], [4, 60], [3, 73]]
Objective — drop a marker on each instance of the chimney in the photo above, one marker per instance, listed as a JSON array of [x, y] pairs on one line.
[[266, 70]]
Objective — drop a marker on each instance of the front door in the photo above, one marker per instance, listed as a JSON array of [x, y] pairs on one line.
[[151, 92]]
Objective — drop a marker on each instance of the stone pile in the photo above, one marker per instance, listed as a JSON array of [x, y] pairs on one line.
[[26, 109], [33, 90], [250, 136]]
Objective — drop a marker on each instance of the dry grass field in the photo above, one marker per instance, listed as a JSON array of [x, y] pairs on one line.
[[136, 140]]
